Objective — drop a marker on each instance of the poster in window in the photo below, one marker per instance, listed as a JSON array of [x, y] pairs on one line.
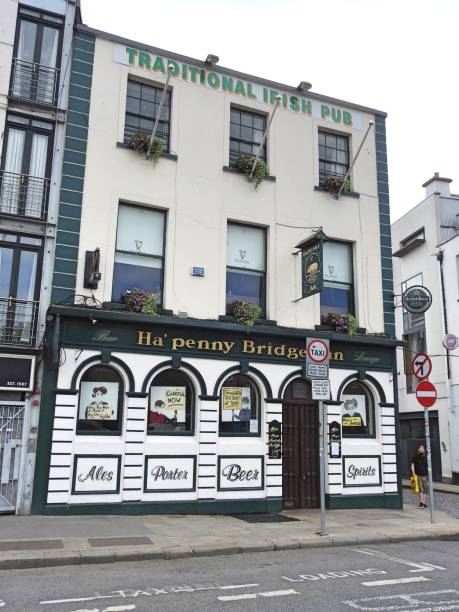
[[236, 404], [167, 411], [354, 415], [98, 401]]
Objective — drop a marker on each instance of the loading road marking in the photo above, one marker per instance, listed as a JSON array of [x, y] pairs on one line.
[[425, 601], [255, 595], [419, 567], [397, 581], [149, 591]]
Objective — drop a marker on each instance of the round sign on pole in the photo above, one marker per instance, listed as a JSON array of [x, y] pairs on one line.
[[450, 342], [421, 366], [317, 351], [417, 299], [426, 394]]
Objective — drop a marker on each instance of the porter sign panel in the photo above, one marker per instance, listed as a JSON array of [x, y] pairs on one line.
[[96, 474], [240, 473], [359, 471], [170, 473]]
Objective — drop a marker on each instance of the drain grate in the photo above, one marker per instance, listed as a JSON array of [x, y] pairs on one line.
[[263, 518], [31, 545]]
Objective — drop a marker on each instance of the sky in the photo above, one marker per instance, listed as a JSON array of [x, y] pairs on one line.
[[399, 56]]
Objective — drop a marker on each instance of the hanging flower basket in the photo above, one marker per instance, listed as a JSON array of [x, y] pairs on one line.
[[342, 323], [245, 313], [333, 184], [245, 164], [140, 141], [141, 301]]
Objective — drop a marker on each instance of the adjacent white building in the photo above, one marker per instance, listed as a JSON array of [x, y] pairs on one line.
[[426, 252]]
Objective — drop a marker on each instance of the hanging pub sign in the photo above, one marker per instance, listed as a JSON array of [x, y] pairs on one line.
[[334, 438], [16, 372], [312, 264], [417, 299], [275, 440]]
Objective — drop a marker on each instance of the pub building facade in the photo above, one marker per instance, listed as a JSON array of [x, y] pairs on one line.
[[164, 402]]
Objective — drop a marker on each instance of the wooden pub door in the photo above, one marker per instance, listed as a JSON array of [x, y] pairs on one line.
[[300, 447]]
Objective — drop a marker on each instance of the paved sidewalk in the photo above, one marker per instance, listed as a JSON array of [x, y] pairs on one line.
[[441, 487], [37, 541]]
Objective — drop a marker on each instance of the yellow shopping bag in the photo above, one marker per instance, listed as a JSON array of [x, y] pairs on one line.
[[414, 485]]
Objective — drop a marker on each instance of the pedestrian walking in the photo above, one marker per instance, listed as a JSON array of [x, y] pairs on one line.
[[420, 470]]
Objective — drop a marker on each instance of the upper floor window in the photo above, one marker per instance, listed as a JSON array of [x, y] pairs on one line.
[[25, 167], [20, 272], [333, 155], [100, 408], [239, 406], [246, 133], [245, 265], [139, 255], [172, 402], [142, 106], [36, 57], [358, 411], [337, 295]]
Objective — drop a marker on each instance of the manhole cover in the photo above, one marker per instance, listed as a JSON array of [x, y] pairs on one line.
[[263, 518]]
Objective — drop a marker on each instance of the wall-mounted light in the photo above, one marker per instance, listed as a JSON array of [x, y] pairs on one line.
[[92, 275], [212, 59], [304, 86]]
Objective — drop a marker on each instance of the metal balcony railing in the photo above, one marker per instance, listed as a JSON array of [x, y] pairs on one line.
[[34, 82], [18, 319], [22, 195]]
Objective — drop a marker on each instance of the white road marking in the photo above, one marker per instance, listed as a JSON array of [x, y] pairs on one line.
[[109, 609], [397, 581], [236, 586], [419, 567], [76, 599], [425, 601], [255, 595], [236, 597]]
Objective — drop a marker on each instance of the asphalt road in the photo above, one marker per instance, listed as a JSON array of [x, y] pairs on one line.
[[418, 576]]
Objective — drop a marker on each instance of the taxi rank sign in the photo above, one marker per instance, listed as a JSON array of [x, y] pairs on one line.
[[312, 264]]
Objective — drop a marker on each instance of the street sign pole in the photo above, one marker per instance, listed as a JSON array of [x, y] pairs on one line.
[[429, 465], [322, 467]]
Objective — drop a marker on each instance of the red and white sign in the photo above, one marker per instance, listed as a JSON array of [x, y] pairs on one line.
[[421, 366], [317, 351], [426, 394]]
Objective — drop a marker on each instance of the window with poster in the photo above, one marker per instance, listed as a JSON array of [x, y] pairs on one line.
[[337, 295], [100, 406], [357, 411], [239, 407], [171, 404], [245, 266]]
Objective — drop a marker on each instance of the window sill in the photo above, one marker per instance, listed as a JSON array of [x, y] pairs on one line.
[[170, 433], [348, 194], [270, 178], [231, 319], [360, 331], [98, 433], [166, 154], [121, 306], [239, 435]]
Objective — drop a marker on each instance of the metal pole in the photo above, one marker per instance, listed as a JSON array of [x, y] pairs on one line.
[[348, 173], [429, 464], [276, 106], [322, 466], [170, 68]]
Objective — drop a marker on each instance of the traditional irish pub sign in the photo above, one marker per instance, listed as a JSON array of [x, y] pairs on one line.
[[312, 264]]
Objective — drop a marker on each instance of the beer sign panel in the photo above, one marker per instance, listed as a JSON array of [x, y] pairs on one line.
[[96, 474], [170, 473], [240, 473]]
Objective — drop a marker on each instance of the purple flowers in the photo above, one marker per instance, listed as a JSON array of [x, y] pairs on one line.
[[334, 183], [343, 323], [141, 301]]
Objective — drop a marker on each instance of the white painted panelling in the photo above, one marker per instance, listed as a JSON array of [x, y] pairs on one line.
[[134, 436], [208, 427], [59, 485], [133, 471], [64, 423], [389, 440], [62, 436], [389, 458], [65, 411], [61, 447], [273, 470], [390, 478], [390, 488], [207, 437], [132, 496], [66, 400], [61, 461], [389, 449], [387, 419], [59, 472], [135, 425], [57, 498], [387, 411], [272, 481], [388, 429], [207, 470]]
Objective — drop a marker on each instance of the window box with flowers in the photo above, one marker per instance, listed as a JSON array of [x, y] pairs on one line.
[[142, 302], [140, 141], [338, 322]]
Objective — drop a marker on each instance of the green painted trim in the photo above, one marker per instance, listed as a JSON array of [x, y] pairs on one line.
[[392, 501], [45, 432], [398, 435], [200, 506], [66, 266], [66, 252]]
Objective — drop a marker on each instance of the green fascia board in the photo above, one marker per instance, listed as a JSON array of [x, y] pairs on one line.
[[67, 281], [76, 144], [67, 266], [66, 252], [72, 169]]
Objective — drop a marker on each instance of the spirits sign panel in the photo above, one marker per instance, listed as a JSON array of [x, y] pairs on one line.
[[96, 474], [362, 471], [240, 473], [169, 473]]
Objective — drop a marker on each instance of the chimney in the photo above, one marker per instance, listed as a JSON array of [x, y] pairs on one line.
[[437, 184]]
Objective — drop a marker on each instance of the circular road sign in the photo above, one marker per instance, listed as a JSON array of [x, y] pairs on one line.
[[421, 366], [450, 342], [317, 351], [426, 394], [417, 299]]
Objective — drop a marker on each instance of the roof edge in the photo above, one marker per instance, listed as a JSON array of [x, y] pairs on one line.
[[223, 70]]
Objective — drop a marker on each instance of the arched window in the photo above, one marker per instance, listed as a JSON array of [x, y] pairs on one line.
[[100, 409], [358, 411], [239, 407], [171, 404]]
